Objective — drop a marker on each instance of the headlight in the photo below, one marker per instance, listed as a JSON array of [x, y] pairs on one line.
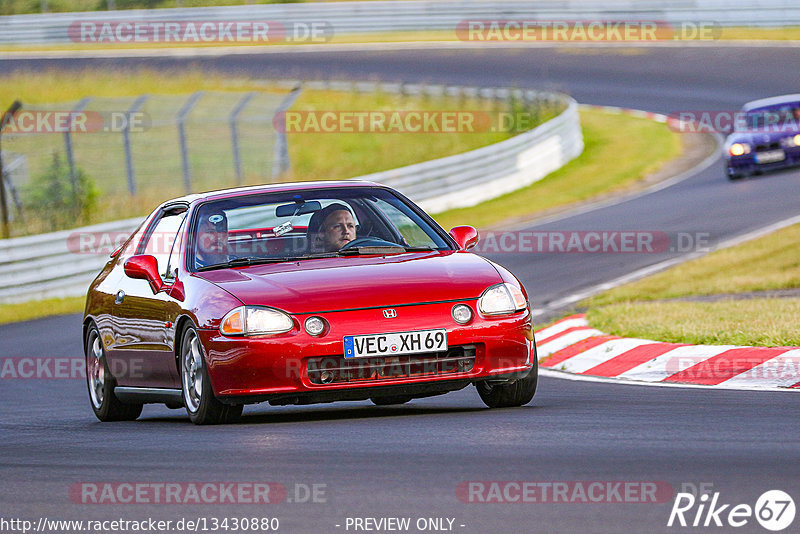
[[501, 299], [255, 320], [792, 141], [738, 149]]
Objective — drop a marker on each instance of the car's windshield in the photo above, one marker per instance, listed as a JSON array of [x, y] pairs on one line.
[[274, 227], [785, 118]]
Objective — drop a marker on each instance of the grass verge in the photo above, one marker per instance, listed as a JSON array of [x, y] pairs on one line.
[[25, 311], [619, 150], [766, 263], [758, 322], [788, 33]]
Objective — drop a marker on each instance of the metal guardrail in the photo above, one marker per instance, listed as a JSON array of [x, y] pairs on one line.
[[53, 265], [392, 16]]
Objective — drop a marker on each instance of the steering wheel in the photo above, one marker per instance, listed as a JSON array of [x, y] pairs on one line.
[[369, 242]]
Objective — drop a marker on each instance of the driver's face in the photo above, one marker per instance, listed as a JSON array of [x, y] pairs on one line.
[[338, 229]]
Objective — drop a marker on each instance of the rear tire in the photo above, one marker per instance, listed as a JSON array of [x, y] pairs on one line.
[[516, 393], [198, 397], [101, 383]]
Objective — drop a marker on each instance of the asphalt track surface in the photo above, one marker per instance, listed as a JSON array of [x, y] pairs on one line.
[[408, 461]]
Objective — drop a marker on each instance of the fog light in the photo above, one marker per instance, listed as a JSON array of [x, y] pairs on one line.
[[462, 314], [326, 377], [315, 326]]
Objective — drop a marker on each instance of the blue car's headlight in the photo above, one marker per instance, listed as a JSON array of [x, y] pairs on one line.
[[255, 320], [739, 149], [790, 142], [501, 299]]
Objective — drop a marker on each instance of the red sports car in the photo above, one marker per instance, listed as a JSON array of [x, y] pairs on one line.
[[297, 294]]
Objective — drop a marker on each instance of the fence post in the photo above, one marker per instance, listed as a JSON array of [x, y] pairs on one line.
[[280, 157], [126, 141], [7, 116], [185, 110], [237, 158], [73, 176]]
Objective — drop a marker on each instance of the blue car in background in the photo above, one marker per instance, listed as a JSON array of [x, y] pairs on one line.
[[766, 137]]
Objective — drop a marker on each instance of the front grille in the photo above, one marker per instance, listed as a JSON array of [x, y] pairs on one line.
[[337, 369], [768, 146]]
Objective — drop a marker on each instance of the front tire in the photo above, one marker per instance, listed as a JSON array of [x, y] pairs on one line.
[[516, 393], [198, 397], [101, 383]]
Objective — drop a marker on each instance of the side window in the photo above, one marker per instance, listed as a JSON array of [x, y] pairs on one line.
[[161, 240], [413, 234]]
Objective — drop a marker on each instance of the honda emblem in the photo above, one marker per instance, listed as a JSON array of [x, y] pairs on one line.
[[390, 314]]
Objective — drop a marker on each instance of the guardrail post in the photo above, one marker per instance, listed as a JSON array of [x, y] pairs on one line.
[[182, 114], [280, 158], [3, 206], [126, 140], [237, 158], [73, 175]]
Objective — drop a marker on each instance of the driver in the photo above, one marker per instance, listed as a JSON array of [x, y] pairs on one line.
[[337, 227], [212, 240]]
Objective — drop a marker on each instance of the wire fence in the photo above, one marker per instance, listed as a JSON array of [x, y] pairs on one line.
[[64, 159]]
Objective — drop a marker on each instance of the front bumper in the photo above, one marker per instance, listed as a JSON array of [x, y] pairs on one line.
[[286, 368], [746, 164]]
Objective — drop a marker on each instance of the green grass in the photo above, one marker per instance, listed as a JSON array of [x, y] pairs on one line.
[[758, 322], [12, 313], [770, 262], [619, 150], [767, 263], [156, 156]]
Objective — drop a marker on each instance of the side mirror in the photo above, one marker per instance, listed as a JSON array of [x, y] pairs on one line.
[[144, 267], [466, 236]]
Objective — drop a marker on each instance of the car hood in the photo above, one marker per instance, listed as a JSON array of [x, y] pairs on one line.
[[314, 286], [757, 137]]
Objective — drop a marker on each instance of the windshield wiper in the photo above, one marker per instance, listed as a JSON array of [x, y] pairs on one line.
[[386, 249], [420, 249], [249, 260]]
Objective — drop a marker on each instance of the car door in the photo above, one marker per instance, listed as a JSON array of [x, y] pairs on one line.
[[143, 344]]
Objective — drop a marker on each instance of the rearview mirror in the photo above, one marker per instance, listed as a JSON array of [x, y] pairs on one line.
[[466, 236], [287, 210], [144, 267]]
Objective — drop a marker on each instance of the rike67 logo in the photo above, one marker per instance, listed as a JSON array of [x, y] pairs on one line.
[[774, 510]]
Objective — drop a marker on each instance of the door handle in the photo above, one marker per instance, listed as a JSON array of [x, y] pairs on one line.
[[120, 297]]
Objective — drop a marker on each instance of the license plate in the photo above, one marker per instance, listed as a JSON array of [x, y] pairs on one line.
[[770, 156], [396, 343]]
